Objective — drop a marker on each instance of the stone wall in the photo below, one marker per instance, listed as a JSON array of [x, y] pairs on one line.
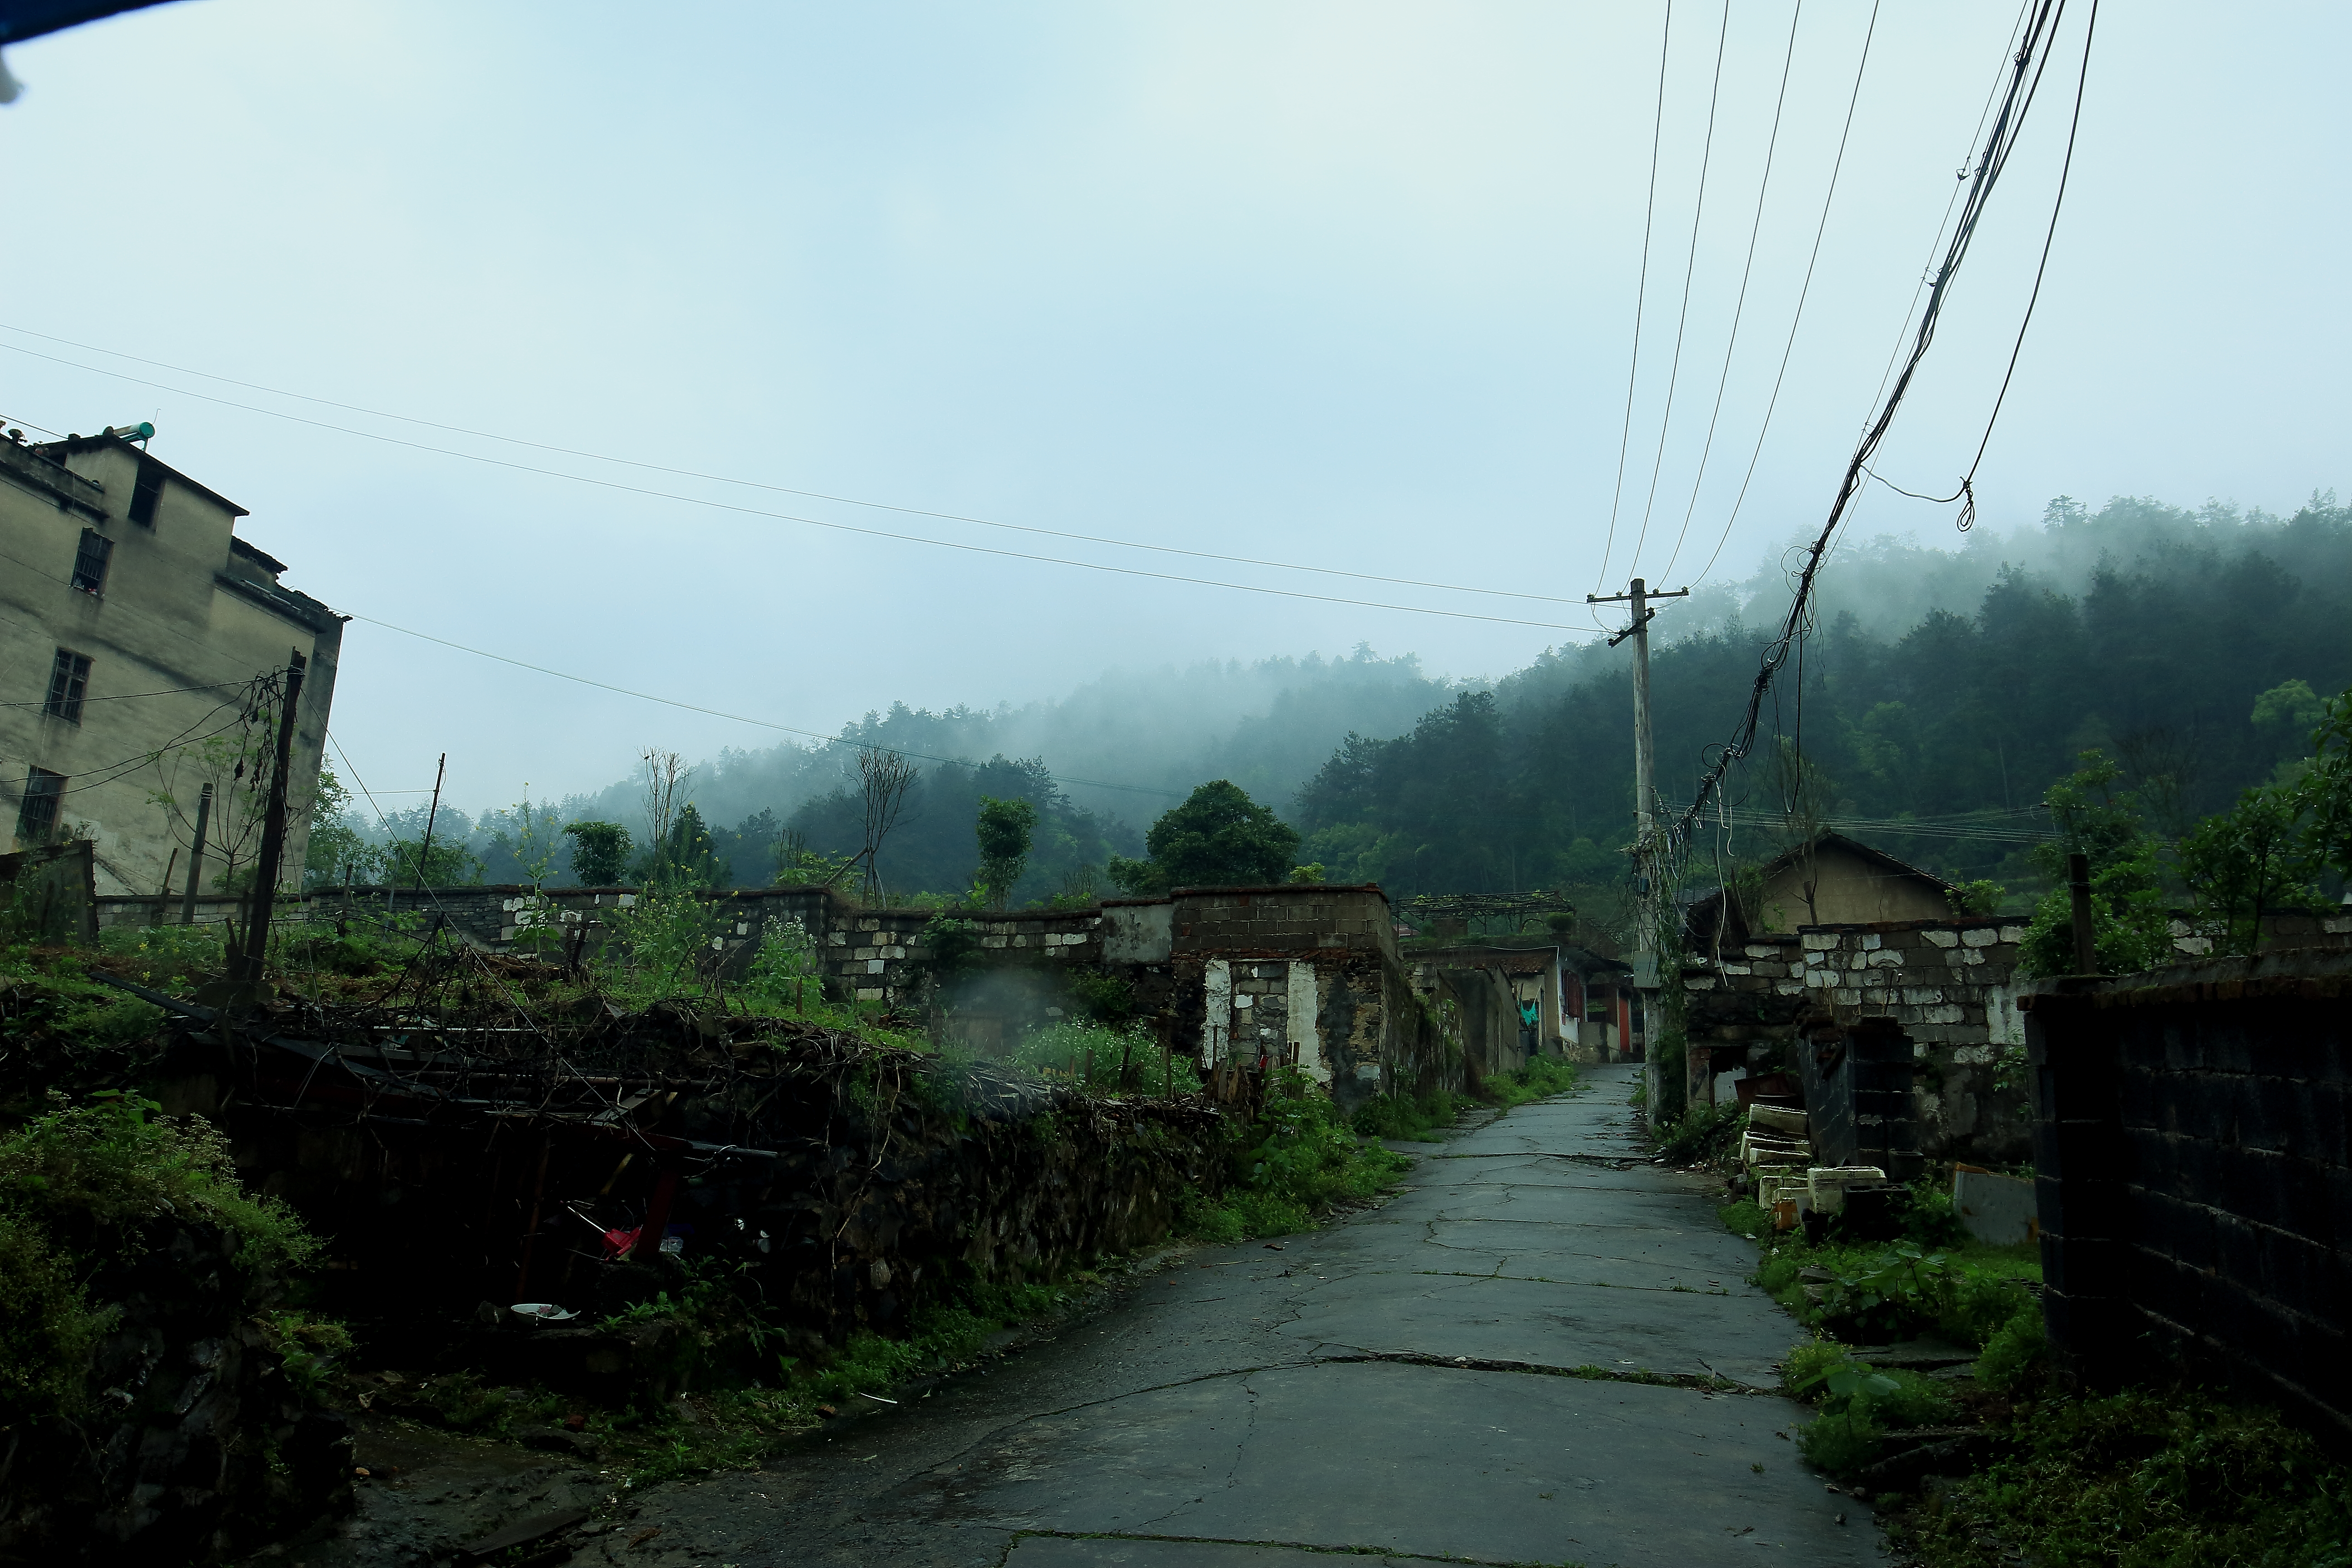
[[1306, 975], [2192, 1174], [1951, 986]]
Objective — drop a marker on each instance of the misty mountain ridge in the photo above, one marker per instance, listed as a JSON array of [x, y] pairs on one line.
[[1125, 746]]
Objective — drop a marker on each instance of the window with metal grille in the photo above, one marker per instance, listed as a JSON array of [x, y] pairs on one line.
[[89, 562], [38, 817], [146, 493], [68, 680]]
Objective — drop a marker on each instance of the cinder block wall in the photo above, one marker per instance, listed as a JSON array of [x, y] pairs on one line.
[[2194, 1184]]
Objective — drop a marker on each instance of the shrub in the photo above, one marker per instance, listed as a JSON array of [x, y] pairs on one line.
[[1703, 1133], [2013, 1351], [79, 1188], [1297, 1160], [1099, 1054], [1416, 1118], [47, 1327]]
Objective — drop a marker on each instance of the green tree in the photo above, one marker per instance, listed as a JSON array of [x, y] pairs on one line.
[[413, 863], [683, 856], [2131, 928], [2283, 716], [2245, 862], [1219, 837], [336, 848], [2327, 789], [1005, 829], [2270, 850], [600, 852]]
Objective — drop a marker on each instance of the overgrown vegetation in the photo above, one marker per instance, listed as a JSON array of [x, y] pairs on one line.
[[1701, 1135], [2144, 1478], [1111, 1061], [2178, 1477], [83, 1187], [1296, 1160]]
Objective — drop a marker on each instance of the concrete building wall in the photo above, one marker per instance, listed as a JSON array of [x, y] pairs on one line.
[[1832, 885], [185, 618]]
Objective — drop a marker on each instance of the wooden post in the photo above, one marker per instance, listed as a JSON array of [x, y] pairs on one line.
[[245, 967], [2087, 940], [197, 858]]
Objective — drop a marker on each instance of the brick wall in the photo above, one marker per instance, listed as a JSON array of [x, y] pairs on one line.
[[2194, 1185]]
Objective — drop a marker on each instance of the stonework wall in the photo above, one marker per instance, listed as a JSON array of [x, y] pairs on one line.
[[1305, 976], [1950, 986]]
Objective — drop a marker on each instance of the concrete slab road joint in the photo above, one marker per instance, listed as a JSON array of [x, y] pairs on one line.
[[1446, 1378]]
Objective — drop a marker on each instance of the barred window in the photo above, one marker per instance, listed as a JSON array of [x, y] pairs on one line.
[[38, 817], [68, 680], [89, 562], [146, 493]]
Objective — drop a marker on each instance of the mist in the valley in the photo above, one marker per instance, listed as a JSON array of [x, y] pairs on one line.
[[1102, 761]]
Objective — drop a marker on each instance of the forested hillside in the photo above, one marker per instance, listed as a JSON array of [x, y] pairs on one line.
[[1936, 683], [2182, 622]]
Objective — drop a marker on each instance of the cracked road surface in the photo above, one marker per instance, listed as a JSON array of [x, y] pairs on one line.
[[1393, 1386]]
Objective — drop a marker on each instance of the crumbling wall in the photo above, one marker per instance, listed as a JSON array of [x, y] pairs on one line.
[[841, 1185], [1950, 986], [2192, 1175]]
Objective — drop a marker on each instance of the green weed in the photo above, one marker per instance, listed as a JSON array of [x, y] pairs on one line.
[[2146, 1478], [1414, 1117]]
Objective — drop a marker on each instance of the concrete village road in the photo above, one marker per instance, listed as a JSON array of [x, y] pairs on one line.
[[1386, 1385]]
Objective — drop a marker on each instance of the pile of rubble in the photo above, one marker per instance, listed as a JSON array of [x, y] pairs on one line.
[[1777, 1152]]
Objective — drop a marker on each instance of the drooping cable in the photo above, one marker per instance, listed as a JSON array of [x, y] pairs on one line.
[[1966, 492], [2025, 76]]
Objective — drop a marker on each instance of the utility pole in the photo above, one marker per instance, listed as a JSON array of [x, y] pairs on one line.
[[197, 858], [1645, 881], [245, 964]]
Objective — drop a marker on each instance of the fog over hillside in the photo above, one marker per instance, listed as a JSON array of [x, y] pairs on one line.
[[1123, 746]]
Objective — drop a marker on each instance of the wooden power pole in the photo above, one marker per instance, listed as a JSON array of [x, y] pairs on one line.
[[245, 965], [1645, 794]]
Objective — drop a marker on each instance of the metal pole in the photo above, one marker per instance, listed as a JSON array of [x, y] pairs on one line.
[[197, 858]]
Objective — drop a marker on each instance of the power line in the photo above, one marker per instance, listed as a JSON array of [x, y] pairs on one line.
[[716, 478], [132, 695], [1754, 229], [2049, 235], [1640, 299], [1690, 269], [1803, 293], [2017, 103], [1960, 183], [738, 718]]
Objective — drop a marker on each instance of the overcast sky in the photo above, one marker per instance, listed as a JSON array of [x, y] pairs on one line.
[[1344, 284]]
